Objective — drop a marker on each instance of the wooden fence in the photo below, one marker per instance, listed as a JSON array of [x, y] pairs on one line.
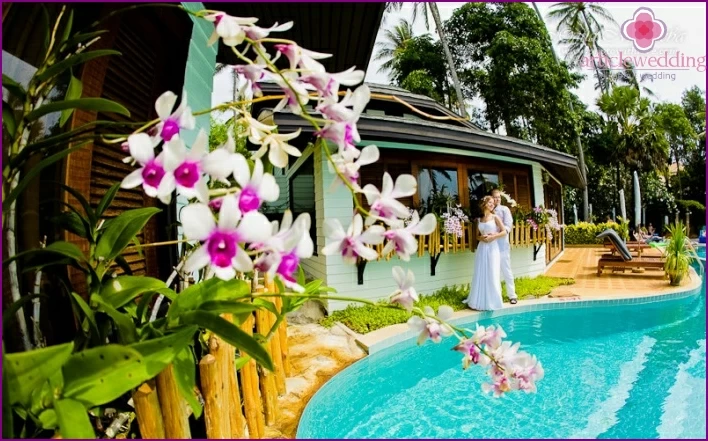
[[522, 235], [237, 404]]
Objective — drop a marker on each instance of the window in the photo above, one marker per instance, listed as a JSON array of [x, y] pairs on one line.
[[437, 187], [480, 184], [302, 195]]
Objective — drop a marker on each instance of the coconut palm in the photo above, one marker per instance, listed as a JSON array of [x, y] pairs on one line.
[[582, 22], [628, 77], [422, 8], [394, 42], [581, 154]]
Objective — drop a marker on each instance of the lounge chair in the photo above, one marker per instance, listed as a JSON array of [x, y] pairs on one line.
[[624, 259]]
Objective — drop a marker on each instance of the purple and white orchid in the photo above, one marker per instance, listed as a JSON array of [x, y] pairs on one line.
[[256, 188], [221, 243], [171, 124], [401, 238], [384, 205], [406, 294], [230, 29], [152, 172], [431, 328], [351, 244]]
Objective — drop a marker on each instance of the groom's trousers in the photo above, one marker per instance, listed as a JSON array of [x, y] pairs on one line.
[[507, 275]]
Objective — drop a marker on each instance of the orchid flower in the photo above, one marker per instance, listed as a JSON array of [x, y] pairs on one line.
[[277, 147], [352, 243], [383, 203], [256, 129], [284, 250], [527, 371], [187, 167], [256, 188], [401, 238], [406, 294], [431, 328], [490, 336], [256, 33], [302, 57], [171, 123], [328, 84], [221, 248], [253, 73], [228, 28], [296, 95], [342, 128], [152, 172], [499, 386], [472, 354], [349, 169], [220, 163]]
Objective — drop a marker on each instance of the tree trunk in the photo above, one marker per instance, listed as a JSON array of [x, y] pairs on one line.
[[603, 86], [678, 173], [581, 153], [450, 62]]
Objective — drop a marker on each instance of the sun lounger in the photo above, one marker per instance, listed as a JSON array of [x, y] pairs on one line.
[[624, 258]]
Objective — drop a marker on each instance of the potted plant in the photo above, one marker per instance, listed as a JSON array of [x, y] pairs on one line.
[[679, 254]]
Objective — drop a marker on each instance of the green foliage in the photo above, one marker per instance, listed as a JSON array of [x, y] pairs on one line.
[[367, 318], [679, 253], [694, 206], [583, 233]]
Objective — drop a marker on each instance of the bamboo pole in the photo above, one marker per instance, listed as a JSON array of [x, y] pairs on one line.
[[172, 405], [214, 389], [274, 344], [283, 331], [252, 403], [267, 379], [147, 411]]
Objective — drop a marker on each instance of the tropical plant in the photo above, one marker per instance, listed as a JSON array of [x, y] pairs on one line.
[[679, 254], [423, 8], [122, 339], [583, 23], [679, 134], [394, 42], [628, 77]]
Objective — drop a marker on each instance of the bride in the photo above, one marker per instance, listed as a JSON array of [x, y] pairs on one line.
[[485, 290]]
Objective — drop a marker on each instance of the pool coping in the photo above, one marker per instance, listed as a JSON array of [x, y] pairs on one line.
[[384, 338]]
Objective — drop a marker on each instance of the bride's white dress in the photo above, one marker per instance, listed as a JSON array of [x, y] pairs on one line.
[[485, 289]]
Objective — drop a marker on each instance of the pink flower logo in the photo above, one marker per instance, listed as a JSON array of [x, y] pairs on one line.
[[643, 29]]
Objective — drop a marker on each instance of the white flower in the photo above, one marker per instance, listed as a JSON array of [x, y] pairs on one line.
[[401, 238], [229, 29], [406, 294], [152, 172], [383, 203], [221, 248], [431, 328], [256, 188], [277, 147], [171, 123], [352, 244]]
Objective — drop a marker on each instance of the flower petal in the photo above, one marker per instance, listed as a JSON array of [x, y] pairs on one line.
[[201, 144], [268, 189], [198, 260], [229, 214], [218, 164], [164, 105], [134, 179], [242, 173], [242, 261], [399, 275], [197, 221], [226, 273], [254, 227], [141, 147], [405, 186], [445, 312]]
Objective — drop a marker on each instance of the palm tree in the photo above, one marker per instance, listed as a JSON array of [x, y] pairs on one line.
[[628, 77], [581, 154], [424, 8], [582, 22], [394, 42]]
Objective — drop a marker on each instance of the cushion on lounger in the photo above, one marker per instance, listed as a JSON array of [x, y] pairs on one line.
[[617, 242]]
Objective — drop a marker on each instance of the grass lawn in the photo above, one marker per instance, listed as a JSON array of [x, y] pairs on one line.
[[367, 318]]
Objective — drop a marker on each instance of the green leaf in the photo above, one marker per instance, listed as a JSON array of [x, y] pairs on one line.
[[228, 306], [185, 369], [61, 248], [91, 104], [8, 119], [73, 60], [241, 362], [90, 215], [9, 314], [8, 416], [126, 328], [73, 222], [121, 230], [74, 422], [210, 290], [122, 289], [145, 302], [88, 312], [72, 93], [231, 334], [13, 87], [270, 306], [120, 260], [107, 199], [67, 27], [48, 419], [45, 26], [80, 38], [25, 181], [25, 371]]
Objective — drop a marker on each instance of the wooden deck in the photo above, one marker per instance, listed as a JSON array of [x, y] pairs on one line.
[[581, 264]]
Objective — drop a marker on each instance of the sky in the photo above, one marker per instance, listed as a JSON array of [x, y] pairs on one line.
[[685, 36]]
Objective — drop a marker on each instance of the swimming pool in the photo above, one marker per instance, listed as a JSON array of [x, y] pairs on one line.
[[632, 371]]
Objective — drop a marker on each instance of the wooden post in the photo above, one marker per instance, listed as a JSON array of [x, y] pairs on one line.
[[251, 401], [267, 379], [173, 406], [283, 331], [147, 411], [214, 390], [231, 399], [274, 344]]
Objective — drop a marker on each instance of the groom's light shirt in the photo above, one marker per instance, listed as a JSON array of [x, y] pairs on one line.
[[507, 219]]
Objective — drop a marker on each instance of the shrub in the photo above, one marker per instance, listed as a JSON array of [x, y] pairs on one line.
[[583, 233], [364, 319]]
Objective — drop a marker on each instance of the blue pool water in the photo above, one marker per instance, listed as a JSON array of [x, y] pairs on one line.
[[634, 371]]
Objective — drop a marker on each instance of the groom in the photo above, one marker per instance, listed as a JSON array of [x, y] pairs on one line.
[[504, 248]]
